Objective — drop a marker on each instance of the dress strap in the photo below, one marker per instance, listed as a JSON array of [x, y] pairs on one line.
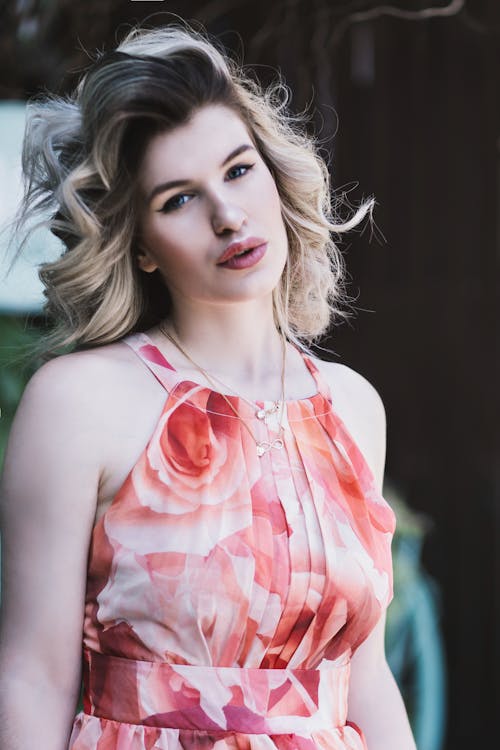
[[321, 382], [152, 357]]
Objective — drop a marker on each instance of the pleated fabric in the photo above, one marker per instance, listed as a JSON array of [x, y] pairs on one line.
[[227, 592]]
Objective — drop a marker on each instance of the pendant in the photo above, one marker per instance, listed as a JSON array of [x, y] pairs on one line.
[[263, 413], [265, 446]]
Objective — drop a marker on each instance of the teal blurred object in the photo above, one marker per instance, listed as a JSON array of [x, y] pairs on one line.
[[414, 645]]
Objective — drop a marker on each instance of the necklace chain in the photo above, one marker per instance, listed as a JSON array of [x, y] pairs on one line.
[[262, 445], [260, 413]]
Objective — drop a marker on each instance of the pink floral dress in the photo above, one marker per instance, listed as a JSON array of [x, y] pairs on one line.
[[227, 592]]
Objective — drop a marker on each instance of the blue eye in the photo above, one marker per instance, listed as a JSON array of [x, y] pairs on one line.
[[246, 167], [172, 204]]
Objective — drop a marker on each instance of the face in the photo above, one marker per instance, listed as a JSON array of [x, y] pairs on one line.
[[223, 193]]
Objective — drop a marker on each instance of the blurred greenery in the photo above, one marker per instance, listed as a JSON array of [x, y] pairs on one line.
[[15, 369]]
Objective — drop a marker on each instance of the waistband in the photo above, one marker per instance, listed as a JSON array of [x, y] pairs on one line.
[[216, 699]]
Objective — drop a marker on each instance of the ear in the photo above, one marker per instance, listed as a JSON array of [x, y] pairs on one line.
[[145, 261]]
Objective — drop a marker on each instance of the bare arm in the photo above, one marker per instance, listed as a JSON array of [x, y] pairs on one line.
[[375, 702], [48, 498]]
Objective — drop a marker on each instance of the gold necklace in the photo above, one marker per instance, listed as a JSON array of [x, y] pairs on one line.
[[260, 412], [262, 445]]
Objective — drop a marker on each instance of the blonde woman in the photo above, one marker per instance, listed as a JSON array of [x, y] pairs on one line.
[[192, 506]]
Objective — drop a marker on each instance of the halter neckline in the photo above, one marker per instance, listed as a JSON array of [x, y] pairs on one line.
[[170, 377]]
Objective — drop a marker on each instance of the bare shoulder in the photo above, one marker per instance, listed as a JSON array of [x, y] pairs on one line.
[[92, 385], [344, 381], [68, 403], [359, 405], [60, 409], [81, 374], [95, 409]]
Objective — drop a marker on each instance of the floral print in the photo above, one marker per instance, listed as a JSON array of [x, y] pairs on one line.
[[227, 592]]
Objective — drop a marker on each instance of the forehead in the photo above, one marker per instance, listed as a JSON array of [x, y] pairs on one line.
[[187, 150]]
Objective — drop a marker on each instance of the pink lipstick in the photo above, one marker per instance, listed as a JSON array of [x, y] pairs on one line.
[[239, 246], [245, 258]]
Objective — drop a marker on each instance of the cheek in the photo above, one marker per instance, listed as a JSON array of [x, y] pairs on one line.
[[275, 202], [270, 198], [160, 242], [146, 233]]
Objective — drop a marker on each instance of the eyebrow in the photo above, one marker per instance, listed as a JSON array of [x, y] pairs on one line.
[[162, 187]]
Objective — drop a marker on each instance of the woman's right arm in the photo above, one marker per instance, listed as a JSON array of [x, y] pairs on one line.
[[49, 489]]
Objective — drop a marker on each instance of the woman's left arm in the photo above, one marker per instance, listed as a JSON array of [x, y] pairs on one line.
[[375, 702]]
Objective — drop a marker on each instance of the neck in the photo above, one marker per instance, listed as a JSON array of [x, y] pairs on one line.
[[238, 343]]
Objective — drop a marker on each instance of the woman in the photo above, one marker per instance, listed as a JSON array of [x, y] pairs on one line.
[[189, 481]]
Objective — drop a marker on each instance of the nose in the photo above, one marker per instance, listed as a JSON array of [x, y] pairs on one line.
[[227, 216]]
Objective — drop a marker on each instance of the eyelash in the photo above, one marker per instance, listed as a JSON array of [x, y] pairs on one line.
[[170, 205]]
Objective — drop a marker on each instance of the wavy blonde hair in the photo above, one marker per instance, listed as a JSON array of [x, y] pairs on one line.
[[81, 154]]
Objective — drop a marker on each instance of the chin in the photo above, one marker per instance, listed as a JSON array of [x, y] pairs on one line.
[[265, 287]]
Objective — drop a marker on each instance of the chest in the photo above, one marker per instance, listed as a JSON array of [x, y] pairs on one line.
[[206, 532]]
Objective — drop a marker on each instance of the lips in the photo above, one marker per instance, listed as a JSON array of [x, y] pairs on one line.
[[246, 260], [239, 247]]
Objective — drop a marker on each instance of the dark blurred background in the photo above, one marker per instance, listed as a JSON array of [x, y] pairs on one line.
[[404, 98]]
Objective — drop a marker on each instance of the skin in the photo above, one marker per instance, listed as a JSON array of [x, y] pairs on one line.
[[76, 436]]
